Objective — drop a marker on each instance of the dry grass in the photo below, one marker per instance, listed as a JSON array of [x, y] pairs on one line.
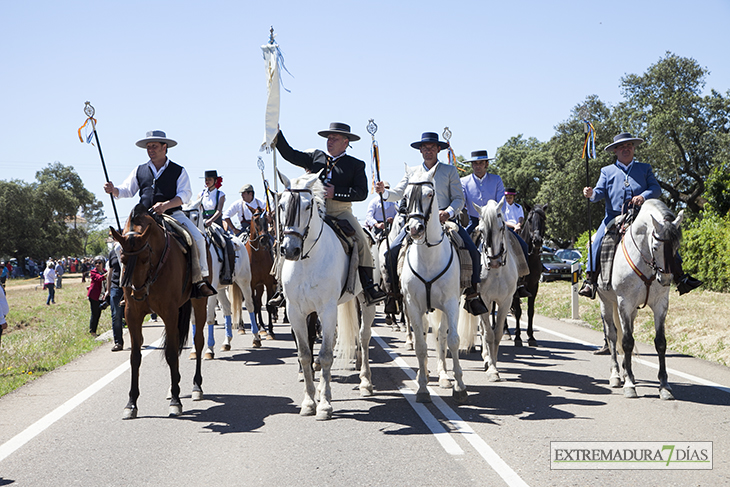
[[696, 324]]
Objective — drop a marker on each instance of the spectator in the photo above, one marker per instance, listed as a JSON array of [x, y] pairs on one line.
[[49, 278], [59, 274], [115, 294], [94, 292], [3, 274], [4, 310]]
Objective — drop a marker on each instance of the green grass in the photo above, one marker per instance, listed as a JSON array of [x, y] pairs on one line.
[[40, 338]]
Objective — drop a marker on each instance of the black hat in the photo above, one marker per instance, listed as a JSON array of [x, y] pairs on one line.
[[429, 137], [339, 128], [211, 174], [480, 155], [624, 137], [511, 191]]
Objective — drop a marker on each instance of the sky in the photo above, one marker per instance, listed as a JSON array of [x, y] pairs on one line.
[[488, 70]]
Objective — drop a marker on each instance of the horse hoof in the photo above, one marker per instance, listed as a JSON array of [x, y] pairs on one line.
[[130, 413], [366, 391], [209, 355], [460, 397], [506, 337], [300, 377], [666, 395], [324, 414], [241, 331], [226, 347], [445, 383], [532, 342], [614, 382], [630, 393], [317, 366], [175, 411], [193, 355], [272, 336], [256, 343], [307, 411], [423, 397], [197, 395], [518, 342]]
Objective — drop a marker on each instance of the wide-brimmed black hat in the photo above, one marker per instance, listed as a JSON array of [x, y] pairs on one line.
[[480, 155], [621, 138], [511, 191], [429, 137], [339, 128], [156, 136], [211, 174]]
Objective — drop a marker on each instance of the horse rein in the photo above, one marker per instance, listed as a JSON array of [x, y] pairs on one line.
[[497, 257], [292, 219], [415, 210], [151, 277], [652, 265]]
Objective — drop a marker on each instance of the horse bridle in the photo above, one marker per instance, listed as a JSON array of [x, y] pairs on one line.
[[292, 219], [151, 275], [652, 264], [415, 209], [497, 257], [255, 243]]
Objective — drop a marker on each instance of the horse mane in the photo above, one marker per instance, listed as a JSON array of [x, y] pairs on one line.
[[660, 212]]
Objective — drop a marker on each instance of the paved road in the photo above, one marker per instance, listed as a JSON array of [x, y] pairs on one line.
[[66, 427]]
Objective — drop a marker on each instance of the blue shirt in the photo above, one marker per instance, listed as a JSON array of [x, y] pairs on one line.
[[480, 191], [617, 184]]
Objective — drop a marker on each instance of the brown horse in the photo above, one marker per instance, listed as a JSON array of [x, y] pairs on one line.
[[157, 277], [262, 260]]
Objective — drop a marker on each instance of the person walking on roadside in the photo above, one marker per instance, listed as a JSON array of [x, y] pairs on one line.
[[4, 310], [115, 294], [49, 282], [97, 276]]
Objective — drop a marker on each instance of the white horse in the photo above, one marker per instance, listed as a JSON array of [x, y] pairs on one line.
[[640, 276], [241, 279], [430, 280], [498, 286], [313, 278]]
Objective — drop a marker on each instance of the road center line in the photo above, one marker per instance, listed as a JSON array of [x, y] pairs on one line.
[[481, 446], [10, 446]]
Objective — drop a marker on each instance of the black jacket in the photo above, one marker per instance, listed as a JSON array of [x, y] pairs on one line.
[[348, 174]]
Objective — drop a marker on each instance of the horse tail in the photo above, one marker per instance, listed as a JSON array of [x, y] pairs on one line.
[[468, 325], [348, 330], [183, 325], [236, 302]]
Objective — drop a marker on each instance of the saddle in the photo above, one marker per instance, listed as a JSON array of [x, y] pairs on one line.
[[223, 246], [611, 240]]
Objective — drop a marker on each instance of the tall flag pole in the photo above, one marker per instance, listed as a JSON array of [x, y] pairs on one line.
[[90, 123], [589, 151], [375, 163]]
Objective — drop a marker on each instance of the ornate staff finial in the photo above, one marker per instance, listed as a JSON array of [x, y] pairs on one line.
[[583, 113], [260, 164], [271, 35], [447, 134], [372, 127], [88, 109]]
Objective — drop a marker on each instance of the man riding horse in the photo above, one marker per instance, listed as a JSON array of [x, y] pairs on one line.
[[451, 201], [345, 181], [240, 209], [623, 184], [163, 188]]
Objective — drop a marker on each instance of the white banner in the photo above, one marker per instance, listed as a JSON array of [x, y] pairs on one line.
[[271, 53]]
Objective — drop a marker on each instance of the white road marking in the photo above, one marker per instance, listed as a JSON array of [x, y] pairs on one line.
[[10, 446], [481, 446]]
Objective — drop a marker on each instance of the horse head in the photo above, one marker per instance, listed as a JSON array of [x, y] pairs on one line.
[[657, 234], [492, 228], [534, 230], [259, 230], [297, 204], [421, 199]]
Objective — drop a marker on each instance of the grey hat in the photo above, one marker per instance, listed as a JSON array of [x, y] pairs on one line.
[[245, 188], [621, 138], [156, 136], [99, 258], [480, 155], [339, 128]]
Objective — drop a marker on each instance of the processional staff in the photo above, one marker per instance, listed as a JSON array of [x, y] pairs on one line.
[[589, 150], [90, 120], [375, 152]]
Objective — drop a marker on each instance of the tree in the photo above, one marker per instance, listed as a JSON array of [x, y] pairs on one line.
[[523, 164], [686, 133]]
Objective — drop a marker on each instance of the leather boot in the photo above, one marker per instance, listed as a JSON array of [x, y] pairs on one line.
[[588, 289], [277, 300], [203, 289], [391, 305], [473, 303], [685, 283], [373, 293], [522, 291]]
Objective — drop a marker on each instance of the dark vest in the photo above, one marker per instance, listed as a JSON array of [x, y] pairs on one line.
[[163, 188]]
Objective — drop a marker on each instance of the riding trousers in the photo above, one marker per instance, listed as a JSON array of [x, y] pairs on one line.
[[199, 240], [343, 210]]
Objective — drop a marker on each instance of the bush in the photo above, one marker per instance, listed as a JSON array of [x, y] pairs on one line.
[[706, 251]]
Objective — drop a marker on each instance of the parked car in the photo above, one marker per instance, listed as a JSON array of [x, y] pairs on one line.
[[569, 255], [553, 268]]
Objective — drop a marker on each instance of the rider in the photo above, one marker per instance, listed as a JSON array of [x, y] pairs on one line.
[[212, 199], [163, 188], [240, 209], [622, 184], [374, 217], [451, 201], [344, 181]]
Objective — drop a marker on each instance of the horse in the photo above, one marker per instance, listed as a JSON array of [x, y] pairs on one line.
[[640, 276], [241, 280], [314, 278], [260, 255], [430, 281], [532, 232], [379, 245], [156, 276], [498, 286]]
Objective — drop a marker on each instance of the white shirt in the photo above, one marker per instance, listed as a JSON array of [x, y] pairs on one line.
[[240, 209], [512, 213], [130, 187]]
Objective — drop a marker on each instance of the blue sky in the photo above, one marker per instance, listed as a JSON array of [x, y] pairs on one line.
[[488, 70]]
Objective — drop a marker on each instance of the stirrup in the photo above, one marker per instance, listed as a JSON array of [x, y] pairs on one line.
[[522, 292], [687, 284], [588, 290], [474, 304], [374, 295], [277, 300], [202, 289], [391, 305]]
